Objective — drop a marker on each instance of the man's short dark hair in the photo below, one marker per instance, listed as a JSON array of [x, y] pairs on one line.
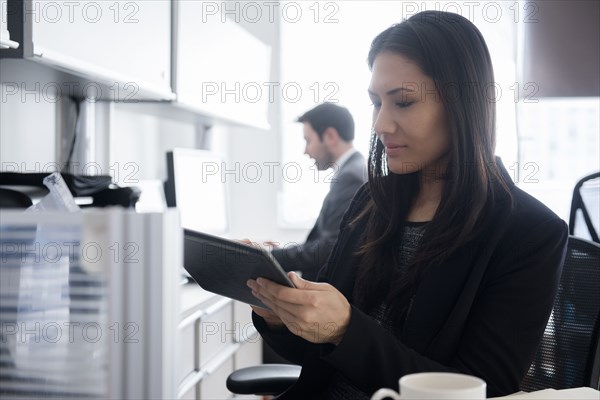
[[329, 115]]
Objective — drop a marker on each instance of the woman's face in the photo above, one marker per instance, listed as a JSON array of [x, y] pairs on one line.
[[408, 116]]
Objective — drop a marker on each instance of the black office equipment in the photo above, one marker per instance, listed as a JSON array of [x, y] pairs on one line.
[[100, 188], [223, 266]]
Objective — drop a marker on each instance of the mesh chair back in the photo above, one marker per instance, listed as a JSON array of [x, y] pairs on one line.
[[585, 208], [568, 354]]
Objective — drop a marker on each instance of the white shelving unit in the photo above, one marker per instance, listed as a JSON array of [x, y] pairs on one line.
[[215, 337], [177, 355], [89, 303], [143, 51]]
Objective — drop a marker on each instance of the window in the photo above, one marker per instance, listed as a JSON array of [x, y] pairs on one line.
[[558, 145], [323, 58]]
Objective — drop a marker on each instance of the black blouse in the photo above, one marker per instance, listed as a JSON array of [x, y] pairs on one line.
[[341, 388]]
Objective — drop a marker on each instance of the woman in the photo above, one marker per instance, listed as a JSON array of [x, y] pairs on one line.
[[441, 264]]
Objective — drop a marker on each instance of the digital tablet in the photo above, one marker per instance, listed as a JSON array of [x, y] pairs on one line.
[[224, 266]]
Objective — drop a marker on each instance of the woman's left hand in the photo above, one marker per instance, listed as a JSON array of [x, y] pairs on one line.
[[317, 312]]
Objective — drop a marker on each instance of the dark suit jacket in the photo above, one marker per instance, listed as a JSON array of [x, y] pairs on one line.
[[482, 312], [310, 256]]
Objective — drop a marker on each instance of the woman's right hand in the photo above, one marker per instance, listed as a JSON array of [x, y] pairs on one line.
[[272, 320]]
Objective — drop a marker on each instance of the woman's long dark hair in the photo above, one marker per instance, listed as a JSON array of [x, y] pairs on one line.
[[451, 50]]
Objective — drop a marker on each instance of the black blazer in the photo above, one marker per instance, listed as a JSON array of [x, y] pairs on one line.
[[482, 312], [311, 255]]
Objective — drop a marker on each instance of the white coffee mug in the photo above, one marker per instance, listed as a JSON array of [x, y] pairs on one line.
[[436, 385]]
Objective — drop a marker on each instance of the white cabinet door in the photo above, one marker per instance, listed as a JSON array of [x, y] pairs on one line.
[[221, 70], [213, 386], [109, 41]]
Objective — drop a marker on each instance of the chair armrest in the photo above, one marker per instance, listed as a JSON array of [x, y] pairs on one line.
[[266, 379]]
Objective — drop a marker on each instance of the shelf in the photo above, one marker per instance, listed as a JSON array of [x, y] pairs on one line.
[[129, 88], [55, 82], [185, 113]]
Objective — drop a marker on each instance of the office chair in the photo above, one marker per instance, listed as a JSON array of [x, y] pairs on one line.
[[569, 353], [586, 197], [263, 380]]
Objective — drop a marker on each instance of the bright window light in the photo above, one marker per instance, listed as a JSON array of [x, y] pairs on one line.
[[324, 58]]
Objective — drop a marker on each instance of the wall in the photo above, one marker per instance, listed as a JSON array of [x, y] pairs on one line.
[[141, 140], [253, 200], [27, 130]]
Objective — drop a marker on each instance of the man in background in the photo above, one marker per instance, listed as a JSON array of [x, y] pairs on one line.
[[328, 132]]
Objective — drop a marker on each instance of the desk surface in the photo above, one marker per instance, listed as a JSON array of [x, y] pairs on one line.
[[583, 393]]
